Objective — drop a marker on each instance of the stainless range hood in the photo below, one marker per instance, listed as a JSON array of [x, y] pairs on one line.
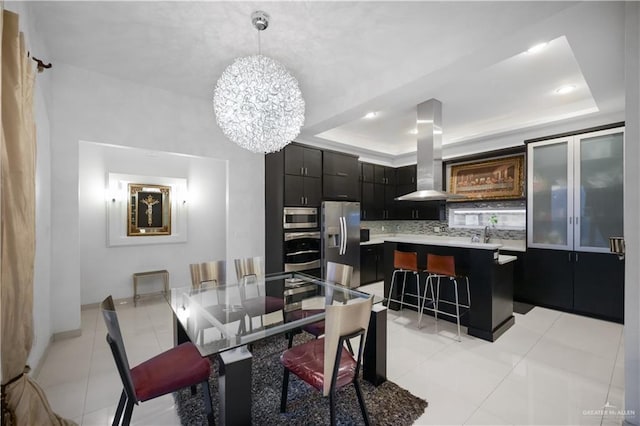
[[429, 168]]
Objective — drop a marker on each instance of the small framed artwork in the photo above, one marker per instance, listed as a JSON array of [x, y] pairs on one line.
[[497, 179], [149, 210]]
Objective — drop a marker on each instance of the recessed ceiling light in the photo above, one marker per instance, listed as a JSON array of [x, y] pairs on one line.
[[537, 48], [371, 114], [563, 90], [415, 132]]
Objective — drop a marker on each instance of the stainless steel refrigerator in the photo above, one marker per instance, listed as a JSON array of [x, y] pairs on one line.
[[340, 233]]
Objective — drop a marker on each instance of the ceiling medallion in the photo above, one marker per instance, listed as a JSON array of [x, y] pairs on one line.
[[258, 104]]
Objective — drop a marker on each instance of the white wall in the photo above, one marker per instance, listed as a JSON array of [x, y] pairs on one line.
[[42, 266], [631, 208], [93, 107], [108, 269]]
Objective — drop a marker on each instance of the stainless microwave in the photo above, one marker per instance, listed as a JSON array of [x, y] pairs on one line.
[[300, 217]]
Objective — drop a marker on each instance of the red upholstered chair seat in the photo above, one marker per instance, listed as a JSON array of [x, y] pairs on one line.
[[159, 375], [316, 329], [307, 362]]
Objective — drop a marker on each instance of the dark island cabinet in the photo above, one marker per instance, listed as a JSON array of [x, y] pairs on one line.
[[302, 161], [581, 282], [341, 174], [371, 263]]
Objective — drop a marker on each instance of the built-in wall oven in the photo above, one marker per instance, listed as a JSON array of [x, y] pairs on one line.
[[301, 251], [300, 217]]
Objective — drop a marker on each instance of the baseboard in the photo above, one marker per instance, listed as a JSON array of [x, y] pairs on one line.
[[66, 334], [35, 371]]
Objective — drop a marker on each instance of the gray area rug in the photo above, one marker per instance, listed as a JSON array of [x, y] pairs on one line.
[[387, 404]]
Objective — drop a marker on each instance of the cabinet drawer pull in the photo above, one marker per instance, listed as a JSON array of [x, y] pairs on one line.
[[302, 171], [342, 174], [343, 196]]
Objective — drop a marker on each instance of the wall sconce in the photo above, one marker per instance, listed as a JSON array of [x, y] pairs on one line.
[[616, 246]]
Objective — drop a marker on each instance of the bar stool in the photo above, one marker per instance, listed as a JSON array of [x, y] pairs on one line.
[[443, 267], [404, 263]]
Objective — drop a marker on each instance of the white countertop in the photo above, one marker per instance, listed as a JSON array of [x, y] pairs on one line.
[[505, 258], [443, 240]]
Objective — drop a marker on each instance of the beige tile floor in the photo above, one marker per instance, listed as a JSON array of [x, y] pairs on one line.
[[550, 368]]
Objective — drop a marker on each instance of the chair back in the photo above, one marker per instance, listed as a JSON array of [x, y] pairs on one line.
[[249, 272], [114, 338], [213, 272], [339, 273], [441, 265], [343, 320], [249, 267], [405, 260]]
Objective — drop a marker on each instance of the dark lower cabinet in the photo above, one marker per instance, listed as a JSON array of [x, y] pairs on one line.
[[549, 278], [581, 282], [371, 265], [598, 285]]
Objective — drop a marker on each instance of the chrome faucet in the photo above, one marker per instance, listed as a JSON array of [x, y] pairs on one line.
[[487, 235]]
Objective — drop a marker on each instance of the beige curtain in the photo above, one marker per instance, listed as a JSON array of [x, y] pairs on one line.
[[23, 402]]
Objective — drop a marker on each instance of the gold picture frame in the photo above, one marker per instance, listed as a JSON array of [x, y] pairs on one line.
[[149, 210], [497, 179]]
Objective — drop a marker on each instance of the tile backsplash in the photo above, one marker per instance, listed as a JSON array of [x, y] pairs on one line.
[[428, 227]]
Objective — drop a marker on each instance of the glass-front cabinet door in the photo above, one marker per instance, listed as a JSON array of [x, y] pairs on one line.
[[575, 191], [549, 202], [598, 194]]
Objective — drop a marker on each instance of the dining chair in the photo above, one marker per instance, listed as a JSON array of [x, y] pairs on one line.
[[177, 368], [213, 274], [325, 363], [250, 275], [337, 273]]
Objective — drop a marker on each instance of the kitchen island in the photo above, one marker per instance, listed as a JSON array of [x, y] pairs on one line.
[[490, 279]]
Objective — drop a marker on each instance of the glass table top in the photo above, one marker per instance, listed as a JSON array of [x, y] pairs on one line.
[[219, 318]]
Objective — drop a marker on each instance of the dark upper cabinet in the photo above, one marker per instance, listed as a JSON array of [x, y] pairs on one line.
[[384, 175], [406, 176], [340, 188], [302, 161], [341, 175], [368, 208], [340, 165], [366, 172], [302, 191], [416, 210]]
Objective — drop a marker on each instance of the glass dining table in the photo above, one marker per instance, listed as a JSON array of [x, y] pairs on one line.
[[225, 321]]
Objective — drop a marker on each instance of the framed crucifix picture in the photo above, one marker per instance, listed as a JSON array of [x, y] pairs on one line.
[[149, 210]]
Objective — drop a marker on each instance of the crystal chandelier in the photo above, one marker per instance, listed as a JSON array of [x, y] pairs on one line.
[[258, 104]]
